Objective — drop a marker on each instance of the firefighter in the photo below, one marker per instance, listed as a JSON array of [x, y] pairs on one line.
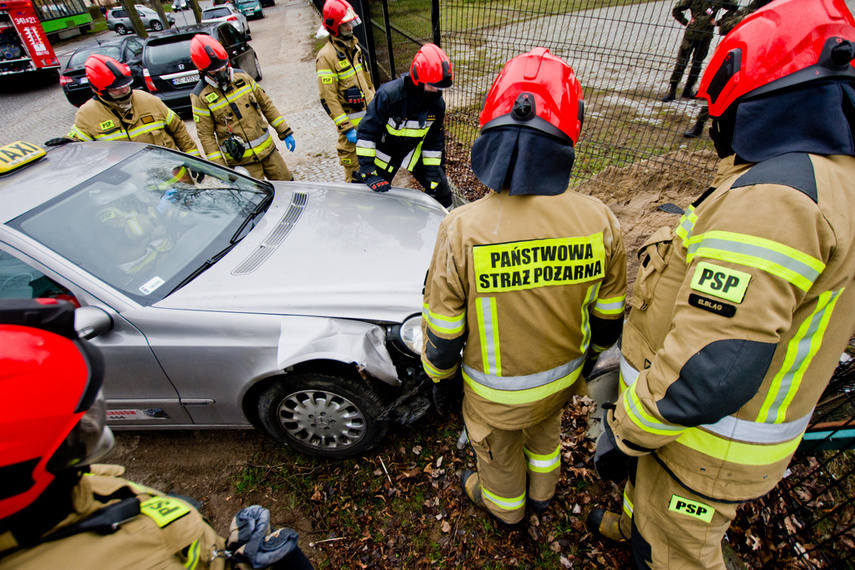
[[343, 81], [531, 260], [230, 109], [404, 127], [57, 506], [120, 113], [740, 314]]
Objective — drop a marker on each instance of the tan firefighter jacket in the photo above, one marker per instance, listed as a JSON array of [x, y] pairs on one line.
[[168, 533], [739, 317], [527, 284], [243, 109], [150, 121], [341, 66]]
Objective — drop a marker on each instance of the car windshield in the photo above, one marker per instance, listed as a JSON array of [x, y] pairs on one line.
[[150, 223], [163, 53], [78, 58], [215, 13]]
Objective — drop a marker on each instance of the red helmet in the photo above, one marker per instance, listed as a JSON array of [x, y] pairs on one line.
[[432, 67], [104, 72], [336, 13], [207, 53], [40, 355], [536, 90], [783, 44]]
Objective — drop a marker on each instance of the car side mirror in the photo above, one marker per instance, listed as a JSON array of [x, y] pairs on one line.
[[90, 322]]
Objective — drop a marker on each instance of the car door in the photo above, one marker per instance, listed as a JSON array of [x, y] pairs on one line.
[[236, 46], [133, 57], [137, 390]]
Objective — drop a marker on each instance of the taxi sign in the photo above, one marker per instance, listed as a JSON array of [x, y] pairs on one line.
[[18, 154]]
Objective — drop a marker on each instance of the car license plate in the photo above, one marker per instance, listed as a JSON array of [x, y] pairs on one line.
[[18, 154], [186, 79], [84, 81]]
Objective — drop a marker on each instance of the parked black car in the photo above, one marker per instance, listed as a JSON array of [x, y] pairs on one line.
[[73, 76], [169, 72]]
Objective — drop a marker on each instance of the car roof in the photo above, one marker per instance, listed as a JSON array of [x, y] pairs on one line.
[[179, 34], [63, 168]]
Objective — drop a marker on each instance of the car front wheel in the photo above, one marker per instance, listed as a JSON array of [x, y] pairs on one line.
[[156, 25], [322, 415], [121, 30]]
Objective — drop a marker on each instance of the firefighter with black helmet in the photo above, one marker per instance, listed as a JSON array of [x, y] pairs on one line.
[[740, 313], [343, 81], [120, 113], [230, 109], [57, 507], [404, 127], [531, 260]]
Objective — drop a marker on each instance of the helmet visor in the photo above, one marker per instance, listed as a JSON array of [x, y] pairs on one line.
[[89, 441]]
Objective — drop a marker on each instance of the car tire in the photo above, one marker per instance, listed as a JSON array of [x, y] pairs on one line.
[[323, 415], [261, 16], [121, 29], [156, 25], [257, 68]]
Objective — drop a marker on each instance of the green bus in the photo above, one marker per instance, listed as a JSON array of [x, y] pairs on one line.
[[63, 18]]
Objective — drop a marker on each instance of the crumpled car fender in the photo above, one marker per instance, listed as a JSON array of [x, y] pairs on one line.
[[360, 343]]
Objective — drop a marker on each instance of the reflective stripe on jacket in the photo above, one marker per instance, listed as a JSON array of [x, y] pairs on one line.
[[215, 113], [739, 317], [150, 122], [516, 281]]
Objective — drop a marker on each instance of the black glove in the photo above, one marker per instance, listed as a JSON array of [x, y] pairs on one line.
[[609, 461], [589, 365], [353, 96], [448, 395], [59, 141], [377, 183], [252, 542], [234, 147]]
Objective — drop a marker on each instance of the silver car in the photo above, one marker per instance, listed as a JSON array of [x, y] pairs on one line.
[[222, 301], [119, 21]]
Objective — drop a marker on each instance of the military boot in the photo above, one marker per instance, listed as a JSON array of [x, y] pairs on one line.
[[471, 483], [696, 130], [605, 524], [672, 94], [689, 92]]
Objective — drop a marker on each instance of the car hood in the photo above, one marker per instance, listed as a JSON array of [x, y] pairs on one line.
[[333, 250]]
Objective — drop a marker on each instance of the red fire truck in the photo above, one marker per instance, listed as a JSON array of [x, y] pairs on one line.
[[24, 47]]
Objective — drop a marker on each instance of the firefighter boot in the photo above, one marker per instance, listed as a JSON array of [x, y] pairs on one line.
[[471, 483], [672, 94], [696, 130], [689, 92], [605, 524]]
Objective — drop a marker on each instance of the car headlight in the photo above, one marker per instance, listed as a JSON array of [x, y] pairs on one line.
[[410, 334]]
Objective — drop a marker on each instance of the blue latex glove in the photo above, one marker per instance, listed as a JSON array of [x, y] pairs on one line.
[[167, 201], [351, 135], [290, 143], [250, 542]]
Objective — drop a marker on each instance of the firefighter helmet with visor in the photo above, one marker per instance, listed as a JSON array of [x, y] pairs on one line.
[[431, 67], [105, 73], [208, 54], [336, 13]]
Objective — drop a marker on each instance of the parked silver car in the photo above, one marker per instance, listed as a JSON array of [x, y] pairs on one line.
[[119, 21], [222, 301], [230, 14]]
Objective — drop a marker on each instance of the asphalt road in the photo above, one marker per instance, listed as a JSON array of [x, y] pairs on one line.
[[284, 41]]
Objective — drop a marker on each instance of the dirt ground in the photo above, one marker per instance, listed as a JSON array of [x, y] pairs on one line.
[[204, 464]]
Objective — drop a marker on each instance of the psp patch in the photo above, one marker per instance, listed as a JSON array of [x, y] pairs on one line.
[[108, 124], [722, 282], [211, 97], [164, 510], [690, 508]]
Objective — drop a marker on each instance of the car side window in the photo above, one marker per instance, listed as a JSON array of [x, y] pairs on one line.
[[119, 14], [134, 49], [229, 36], [19, 280]]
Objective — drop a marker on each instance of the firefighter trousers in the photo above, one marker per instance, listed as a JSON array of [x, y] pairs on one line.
[[509, 461], [271, 166], [347, 158], [669, 526]]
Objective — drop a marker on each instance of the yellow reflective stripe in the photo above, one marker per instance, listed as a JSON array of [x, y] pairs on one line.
[[277, 121], [255, 149], [112, 137], [590, 295], [325, 72], [200, 111], [488, 330], [414, 156], [194, 152], [775, 258], [639, 416], [735, 451], [231, 98], [687, 224], [79, 134], [627, 505], [414, 133], [192, 556], [527, 396], [431, 161], [361, 151], [435, 373], [611, 306], [215, 155], [443, 324], [340, 119], [345, 74], [170, 115], [543, 463], [506, 504], [800, 353], [143, 129]]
